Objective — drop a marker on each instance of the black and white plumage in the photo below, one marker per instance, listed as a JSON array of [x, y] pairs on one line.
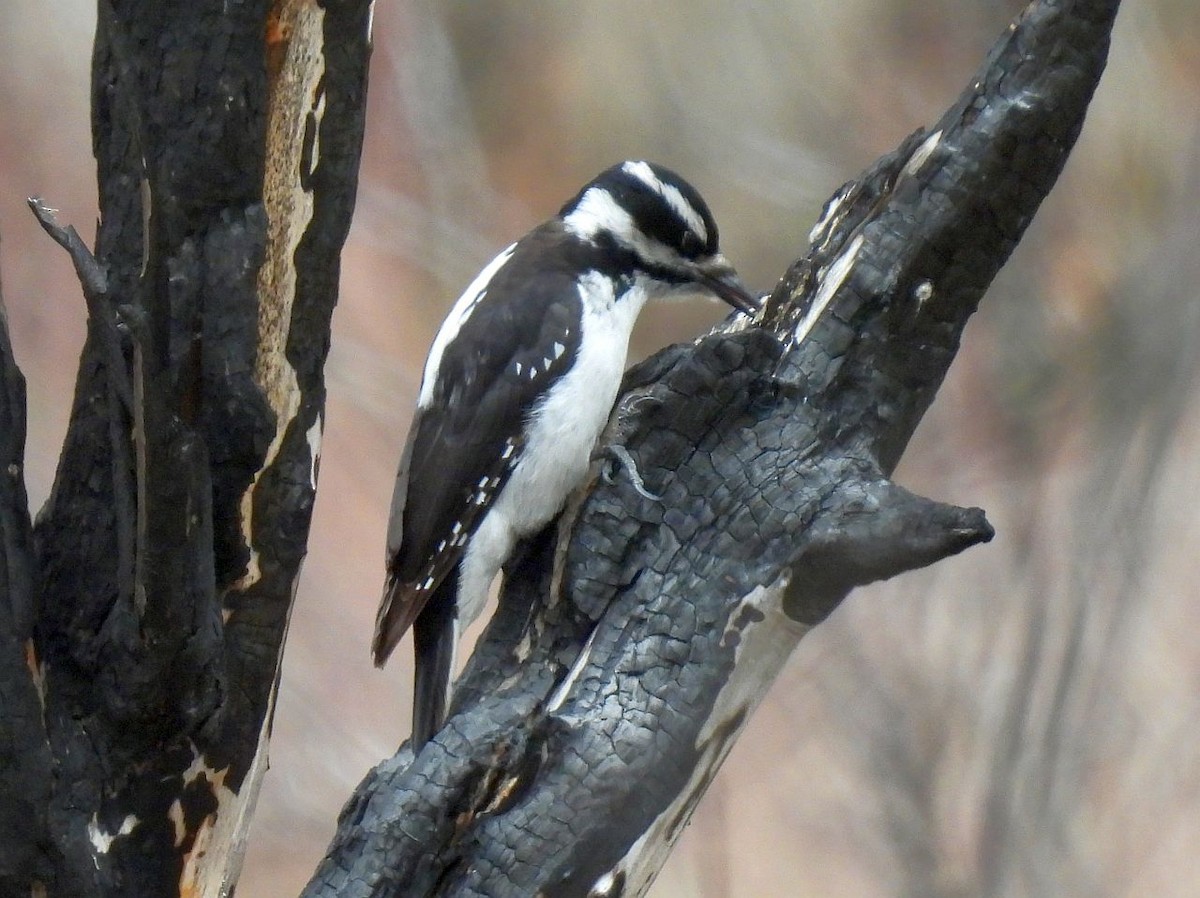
[[519, 383]]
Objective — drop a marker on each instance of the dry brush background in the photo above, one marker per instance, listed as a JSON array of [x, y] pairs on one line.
[[1021, 720]]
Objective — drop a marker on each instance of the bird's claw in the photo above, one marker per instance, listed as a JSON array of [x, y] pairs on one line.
[[625, 460]]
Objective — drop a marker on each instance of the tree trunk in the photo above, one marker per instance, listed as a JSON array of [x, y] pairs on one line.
[[144, 622]]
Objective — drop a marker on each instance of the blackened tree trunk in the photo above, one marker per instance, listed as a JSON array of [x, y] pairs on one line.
[[142, 620]]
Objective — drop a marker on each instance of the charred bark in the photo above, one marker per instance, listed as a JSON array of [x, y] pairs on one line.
[[144, 616], [636, 635]]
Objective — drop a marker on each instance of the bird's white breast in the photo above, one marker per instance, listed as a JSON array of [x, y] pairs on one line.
[[560, 434], [563, 427]]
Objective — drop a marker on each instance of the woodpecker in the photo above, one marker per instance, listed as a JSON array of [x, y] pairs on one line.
[[518, 385]]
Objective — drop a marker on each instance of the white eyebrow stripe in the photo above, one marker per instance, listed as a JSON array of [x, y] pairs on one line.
[[599, 213], [669, 192], [596, 213]]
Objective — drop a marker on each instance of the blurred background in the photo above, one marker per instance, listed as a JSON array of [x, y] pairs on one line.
[[1023, 720]]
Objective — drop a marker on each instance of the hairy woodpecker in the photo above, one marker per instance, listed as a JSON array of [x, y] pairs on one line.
[[519, 383]]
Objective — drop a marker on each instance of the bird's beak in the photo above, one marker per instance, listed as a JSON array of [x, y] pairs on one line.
[[718, 277]]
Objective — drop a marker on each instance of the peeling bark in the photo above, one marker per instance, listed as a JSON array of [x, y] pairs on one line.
[[143, 622]]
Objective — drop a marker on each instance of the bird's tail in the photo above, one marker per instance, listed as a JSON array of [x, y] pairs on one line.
[[435, 636]]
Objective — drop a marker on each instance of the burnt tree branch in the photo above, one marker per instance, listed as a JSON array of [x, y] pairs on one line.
[[25, 759], [636, 635]]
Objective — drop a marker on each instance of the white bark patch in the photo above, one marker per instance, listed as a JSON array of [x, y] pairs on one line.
[[922, 293], [921, 154], [765, 637], [828, 214], [212, 865], [314, 449], [835, 274], [175, 815], [296, 101], [605, 886], [102, 841], [564, 688], [317, 115]]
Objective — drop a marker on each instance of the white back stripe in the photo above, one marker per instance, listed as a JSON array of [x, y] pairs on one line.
[[455, 320]]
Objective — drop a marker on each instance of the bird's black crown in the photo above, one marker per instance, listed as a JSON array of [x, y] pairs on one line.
[[660, 204]]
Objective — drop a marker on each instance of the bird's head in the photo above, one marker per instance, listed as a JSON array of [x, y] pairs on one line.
[[647, 214]]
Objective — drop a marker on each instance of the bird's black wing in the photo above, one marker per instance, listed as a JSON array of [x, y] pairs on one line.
[[520, 337]]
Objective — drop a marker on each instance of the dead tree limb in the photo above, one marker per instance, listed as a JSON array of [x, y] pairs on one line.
[[633, 641]]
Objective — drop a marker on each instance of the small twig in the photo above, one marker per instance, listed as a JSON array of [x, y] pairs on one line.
[[93, 277], [92, 274]]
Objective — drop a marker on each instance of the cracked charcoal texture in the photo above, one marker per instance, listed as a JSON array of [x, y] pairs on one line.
[[135, 687], [772, 456]]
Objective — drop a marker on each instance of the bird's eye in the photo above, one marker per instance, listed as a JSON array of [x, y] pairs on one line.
[[691, 245]]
